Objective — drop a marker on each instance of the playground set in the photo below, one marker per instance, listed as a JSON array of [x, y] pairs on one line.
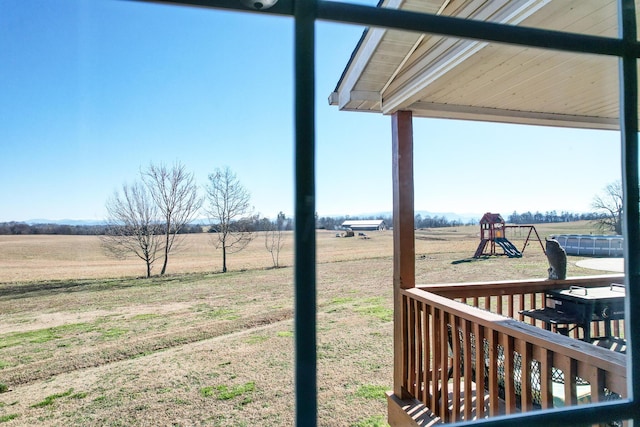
[[493, 232]]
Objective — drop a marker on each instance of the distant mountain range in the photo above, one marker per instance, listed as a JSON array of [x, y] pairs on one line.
[[451, 216], [64, 221]]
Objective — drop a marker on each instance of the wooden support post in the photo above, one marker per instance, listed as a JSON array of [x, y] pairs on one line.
[[403, 236]]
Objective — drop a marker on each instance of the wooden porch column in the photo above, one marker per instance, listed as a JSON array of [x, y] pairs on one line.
[[403, 237]]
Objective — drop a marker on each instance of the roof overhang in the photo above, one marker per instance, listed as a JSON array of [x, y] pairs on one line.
[[444, 77]]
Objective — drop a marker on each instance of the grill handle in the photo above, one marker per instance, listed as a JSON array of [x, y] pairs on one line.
[[616, 287], [578, 288]]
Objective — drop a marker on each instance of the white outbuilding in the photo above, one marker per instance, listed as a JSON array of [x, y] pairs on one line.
[[365, 225]]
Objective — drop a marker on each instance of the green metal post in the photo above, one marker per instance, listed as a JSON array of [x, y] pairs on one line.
[[631, 218], [305, 236]]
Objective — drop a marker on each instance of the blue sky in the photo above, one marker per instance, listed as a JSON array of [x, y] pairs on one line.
[[93, 90]]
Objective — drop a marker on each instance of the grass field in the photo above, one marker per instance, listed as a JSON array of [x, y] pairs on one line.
[[85, 341]]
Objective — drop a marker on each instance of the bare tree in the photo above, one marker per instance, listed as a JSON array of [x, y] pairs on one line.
[[228, 207], [133, 225], [274, 239], [609, 204], [175, 193]]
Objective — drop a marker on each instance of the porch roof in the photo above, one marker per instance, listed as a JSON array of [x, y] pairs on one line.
[[441, 77]]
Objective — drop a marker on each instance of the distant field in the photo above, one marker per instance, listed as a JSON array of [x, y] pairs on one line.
[[37, 257], [83, 341]]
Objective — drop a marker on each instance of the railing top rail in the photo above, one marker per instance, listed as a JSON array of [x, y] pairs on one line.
[[513, 287], [575, 349]]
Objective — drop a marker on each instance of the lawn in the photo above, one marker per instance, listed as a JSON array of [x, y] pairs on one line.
[[85, 341]]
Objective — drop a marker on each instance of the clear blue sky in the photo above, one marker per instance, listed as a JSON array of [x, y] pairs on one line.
[[93, 90]]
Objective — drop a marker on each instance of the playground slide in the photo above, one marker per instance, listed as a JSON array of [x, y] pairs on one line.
[[480, 249], [509, 249]]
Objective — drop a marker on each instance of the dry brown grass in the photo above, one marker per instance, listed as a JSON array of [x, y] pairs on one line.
[[84, 342]]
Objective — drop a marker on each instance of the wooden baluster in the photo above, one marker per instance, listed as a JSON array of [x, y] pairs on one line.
[[498, 299], [411, 330], [546, 362], [456, 360], [417, 328], [526, 398], [436, 372], [468, 369], [444, 367], [520, 306], [595, 377], [406, 382], [493, 372], [532, 305], [568, 367], [511, 306], [509, 368], [426, 339], [478, 331], [410, 344]]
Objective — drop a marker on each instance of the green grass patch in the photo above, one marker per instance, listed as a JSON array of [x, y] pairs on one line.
[[43, 335], [220, 313], [226, 393], [4, 388], [80, 395], [369, 391], [113, 333], [49, 400], [207, 391], [256, 339], [8, 417], [4, 364], [223, 392], [378, 311], [147, 316], [374, 421], [342, 300], [285, 334]]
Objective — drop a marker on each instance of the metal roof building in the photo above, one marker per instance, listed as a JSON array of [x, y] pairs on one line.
[[369, 225]]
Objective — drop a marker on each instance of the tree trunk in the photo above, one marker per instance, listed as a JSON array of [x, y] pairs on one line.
[[224, 258], [164, 264], [148, 269], [166, 254]]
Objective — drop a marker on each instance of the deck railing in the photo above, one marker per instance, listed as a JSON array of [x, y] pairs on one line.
[[510, 298], [463, 362]]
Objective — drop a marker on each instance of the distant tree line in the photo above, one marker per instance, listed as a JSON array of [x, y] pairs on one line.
[[254, 224], [551, 216], [14, 227], [437, 222], [73, 230], [335, 222], [257, 223]]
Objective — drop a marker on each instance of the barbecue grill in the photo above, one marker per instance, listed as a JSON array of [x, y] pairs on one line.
[[581, 306]]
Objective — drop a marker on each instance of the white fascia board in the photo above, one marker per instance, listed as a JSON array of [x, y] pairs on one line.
[[470, 112], [366, 51], [363, 56], [357, 96], [457, 52]]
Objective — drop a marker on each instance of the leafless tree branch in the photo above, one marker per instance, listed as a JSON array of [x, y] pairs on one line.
[[228, 207], [133, 225], [609, 204], [274, 239], [175, 193]]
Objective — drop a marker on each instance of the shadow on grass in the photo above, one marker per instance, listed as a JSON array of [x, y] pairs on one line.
[[91, 285], [43, 288], [461, 261]]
